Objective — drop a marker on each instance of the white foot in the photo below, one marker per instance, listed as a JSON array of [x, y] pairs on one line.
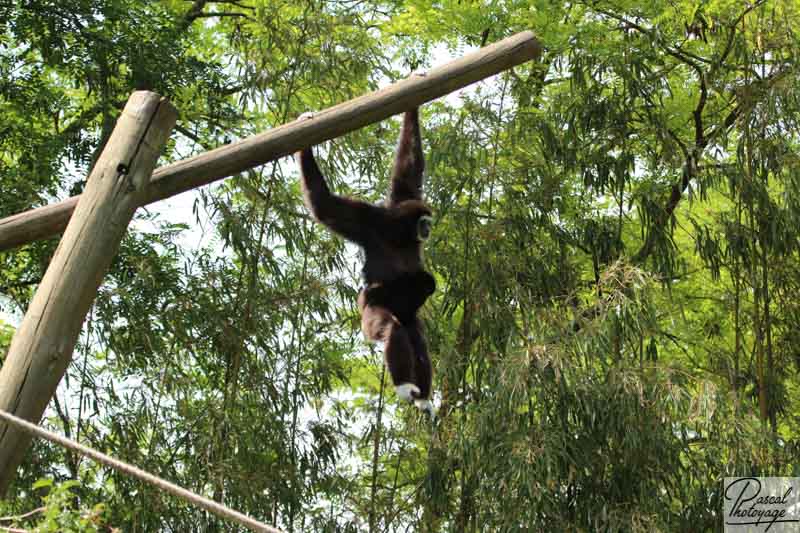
[[420, 73], [305, 116], [426, 406], [407, 391]]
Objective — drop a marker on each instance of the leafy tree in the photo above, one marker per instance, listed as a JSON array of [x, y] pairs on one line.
[[615, 328]]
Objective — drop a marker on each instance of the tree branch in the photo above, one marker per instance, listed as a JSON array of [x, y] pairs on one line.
[[191, 14], [691, 165], [219, 14], [699, 134], [20, 284]]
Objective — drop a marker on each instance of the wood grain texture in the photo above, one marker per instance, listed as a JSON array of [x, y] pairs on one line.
[[43, 344], [284, 140]]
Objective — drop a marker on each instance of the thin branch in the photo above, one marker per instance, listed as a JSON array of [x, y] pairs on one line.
[[727, 50], [699, 134], [220, 14], [190, 135], [191, 14], [236, 3], [20, 284], [13, 530], [22, 516], [681, 144], [679, 54], [79, 122], [485, 36]]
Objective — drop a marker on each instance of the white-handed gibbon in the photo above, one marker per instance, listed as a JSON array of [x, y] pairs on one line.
[[391, 235]]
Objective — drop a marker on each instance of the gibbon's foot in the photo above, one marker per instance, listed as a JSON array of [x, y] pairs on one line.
[[419, 73], [426, 407], [407, 391], [305, 116]]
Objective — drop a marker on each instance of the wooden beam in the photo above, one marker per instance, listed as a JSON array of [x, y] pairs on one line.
[[239, 156], [42, 345]]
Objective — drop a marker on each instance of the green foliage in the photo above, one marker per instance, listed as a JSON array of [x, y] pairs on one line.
[[6, 332], [59, 512], [616, 252]]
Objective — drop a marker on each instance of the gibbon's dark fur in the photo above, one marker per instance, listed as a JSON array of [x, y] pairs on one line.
[[396, 284]]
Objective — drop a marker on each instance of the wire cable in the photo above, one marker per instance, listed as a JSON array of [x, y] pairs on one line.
[[133, 471]]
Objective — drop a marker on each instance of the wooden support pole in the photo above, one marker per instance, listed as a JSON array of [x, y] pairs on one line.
[[42, 345], [237, 157]]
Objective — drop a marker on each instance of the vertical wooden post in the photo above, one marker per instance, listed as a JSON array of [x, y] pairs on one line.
[[42, 346]]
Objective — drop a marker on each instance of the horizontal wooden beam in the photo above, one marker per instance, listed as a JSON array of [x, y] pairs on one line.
[[284, 140]]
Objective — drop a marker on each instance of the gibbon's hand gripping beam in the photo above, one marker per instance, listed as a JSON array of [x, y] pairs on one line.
[[333, 122]]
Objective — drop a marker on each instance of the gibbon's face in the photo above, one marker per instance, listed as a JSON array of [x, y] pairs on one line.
[[415, 220], [424, 224]]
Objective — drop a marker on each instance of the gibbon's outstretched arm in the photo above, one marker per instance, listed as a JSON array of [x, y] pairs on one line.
[[349, 218], [409, 163]]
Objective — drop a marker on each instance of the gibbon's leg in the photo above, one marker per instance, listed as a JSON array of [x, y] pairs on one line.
[[379, 324], [422, 366], [409, 162], [349, 218]]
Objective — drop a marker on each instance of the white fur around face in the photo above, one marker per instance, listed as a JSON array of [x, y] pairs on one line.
[[406, 391]]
